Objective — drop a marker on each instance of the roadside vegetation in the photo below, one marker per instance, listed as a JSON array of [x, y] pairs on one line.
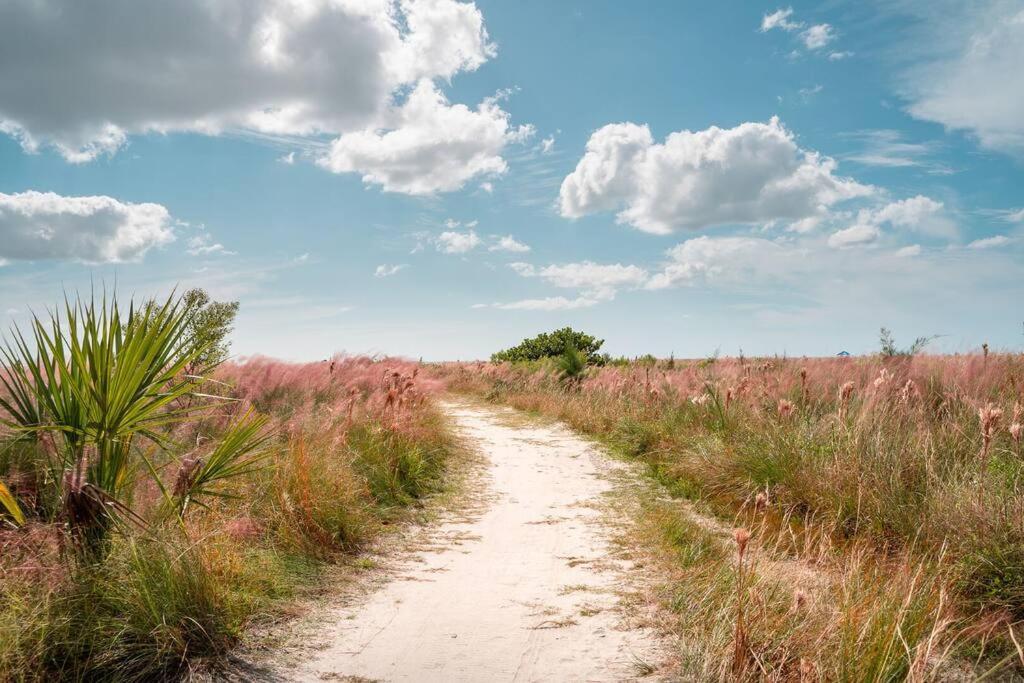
[[855, 519], [156, 498]]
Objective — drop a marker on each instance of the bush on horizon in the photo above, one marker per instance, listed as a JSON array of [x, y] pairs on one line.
[[553, 345]]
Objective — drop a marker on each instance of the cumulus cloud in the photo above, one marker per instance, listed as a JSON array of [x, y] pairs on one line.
[[597, 281], [454, 242], [83, 77], [509, 243], [818, 36], [753, 173], [384, 270], [975, 82], [95, 229], [921, 214], [431, 146]]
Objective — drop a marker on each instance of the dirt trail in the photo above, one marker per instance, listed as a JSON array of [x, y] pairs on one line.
[[526, 589]]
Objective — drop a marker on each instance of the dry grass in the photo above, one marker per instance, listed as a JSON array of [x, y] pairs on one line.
[[894, 481], [357, 443]]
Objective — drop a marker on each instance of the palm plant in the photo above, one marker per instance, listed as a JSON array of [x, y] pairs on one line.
[[91, 386]]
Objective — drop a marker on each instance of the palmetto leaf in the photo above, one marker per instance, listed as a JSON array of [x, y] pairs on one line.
[[8, 503], [239, 452]]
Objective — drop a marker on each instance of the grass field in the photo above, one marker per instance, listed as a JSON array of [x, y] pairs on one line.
[[224, 503], [835, 519]]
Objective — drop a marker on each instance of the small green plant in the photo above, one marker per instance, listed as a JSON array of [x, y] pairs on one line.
[[572, 366], [890, 350]]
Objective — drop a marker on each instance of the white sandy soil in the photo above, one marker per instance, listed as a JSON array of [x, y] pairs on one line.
[[526, 589]]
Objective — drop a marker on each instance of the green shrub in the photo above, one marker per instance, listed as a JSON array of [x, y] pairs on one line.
[[552, 345]]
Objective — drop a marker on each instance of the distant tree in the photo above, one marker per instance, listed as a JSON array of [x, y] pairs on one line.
[[889, 349], [553, 345], [209, 325]]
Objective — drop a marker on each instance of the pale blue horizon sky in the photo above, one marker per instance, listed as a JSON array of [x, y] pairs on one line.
[[439, 179]]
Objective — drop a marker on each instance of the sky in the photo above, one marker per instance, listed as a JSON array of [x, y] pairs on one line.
[[439, 179]]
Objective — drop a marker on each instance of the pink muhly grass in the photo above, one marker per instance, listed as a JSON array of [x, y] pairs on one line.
[[786, 408], [845, 393], [989, 416]]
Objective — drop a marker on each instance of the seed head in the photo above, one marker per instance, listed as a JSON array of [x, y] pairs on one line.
[[990, 417], [1016, 429], [742, 537], [786, 408]]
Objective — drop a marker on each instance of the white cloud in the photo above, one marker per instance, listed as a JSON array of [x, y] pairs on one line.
[[431, 146], [990, 242], [921, 214], [83, 77], [818, 36], [857, 235], [1015, 216], [807, 93], [203, 245], [551, 303], [547, 144], [384, 270], [288, 159], [712, 258], [596, 280], [453, 242], [813, 37], [94, 229], [752, 173], [918, 214], [509, 243], [806, 224], [836, 56], [973, 80], [909, 251], [888, 148], [779, 19]]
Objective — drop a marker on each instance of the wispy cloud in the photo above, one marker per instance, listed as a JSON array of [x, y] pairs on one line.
[[889, 148], [385, 270]]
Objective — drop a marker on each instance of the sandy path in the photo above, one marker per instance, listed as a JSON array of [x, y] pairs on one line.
[[525, 590]]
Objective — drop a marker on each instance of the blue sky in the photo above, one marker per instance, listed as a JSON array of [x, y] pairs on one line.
[[439, 179]]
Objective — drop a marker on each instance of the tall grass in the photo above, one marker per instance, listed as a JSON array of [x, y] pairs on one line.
[[149, 516], [852, 463]]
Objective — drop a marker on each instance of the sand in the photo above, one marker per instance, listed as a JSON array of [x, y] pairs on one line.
[[527, 588]]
